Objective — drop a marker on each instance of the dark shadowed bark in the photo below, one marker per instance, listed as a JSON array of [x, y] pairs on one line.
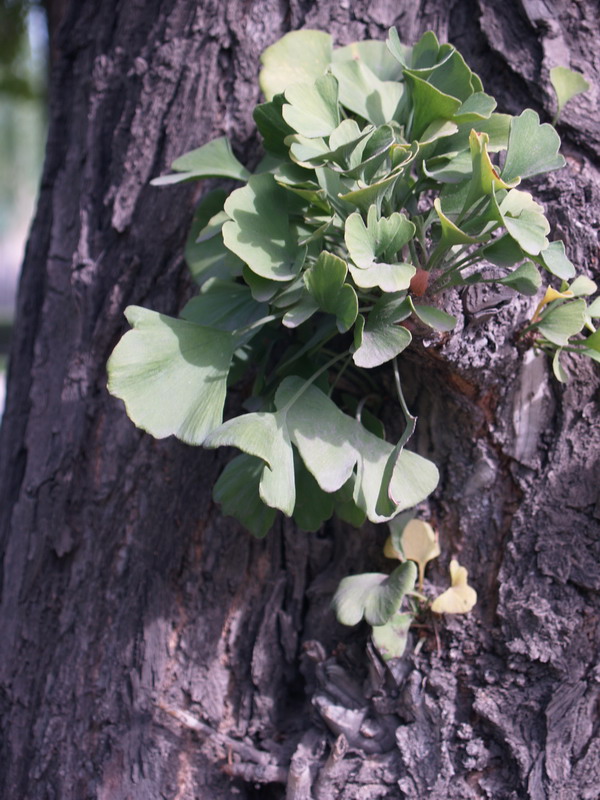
[[150, 648]]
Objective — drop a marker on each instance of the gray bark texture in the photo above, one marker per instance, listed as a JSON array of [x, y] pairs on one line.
[[150, 648]]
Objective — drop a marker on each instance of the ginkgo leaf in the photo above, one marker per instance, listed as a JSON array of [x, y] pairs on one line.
[[567, 84], [171, 374], [555, 260], [373, 595], [532, 148], [312, 108], [391, 639], [213, 160], [524, 220], [298, 57], [236, 490], [259, 231], [325, 283], [460, 597], [560, 323], [332, 445], [419, 544], [377, 241]]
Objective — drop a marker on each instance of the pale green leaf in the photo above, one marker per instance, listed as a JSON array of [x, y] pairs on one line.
[[378, 342], [436, 318], [557, 368], [532, 148], [429, 104], [379, 240], [563, 321], [524, 220], [260, 232], [583, 286], [312, 108], [363, 93], [373, 54], [388, 277], [171, 374], [225, 305], [567, 84], [391, 639], [555, 260], [373, 595], [213, 160], [298, 57]]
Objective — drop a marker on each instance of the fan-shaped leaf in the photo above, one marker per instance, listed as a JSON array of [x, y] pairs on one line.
[[171, 374]]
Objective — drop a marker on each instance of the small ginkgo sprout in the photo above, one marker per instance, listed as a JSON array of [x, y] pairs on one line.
[[460, 597]]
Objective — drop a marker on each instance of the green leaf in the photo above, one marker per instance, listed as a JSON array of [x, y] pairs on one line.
[[213, 160], [485, 178], [567, 84], [272, 126], [266, 436], [313, 505], [557, 368], [379, 239], [363, 93], [555, 260], [378, 342], [594, 308], [388, 277], [504, 252], [524, 220], [171, 374], [434, 317], [260, 232], [401, 52], [325, 282], [583, 286], [477, 107], [563, 321], [373, 595], [373, 54], [429, 104], [525, 279], [532, 148], [451, 234], [312, 108], [298, 57], [236, 491], [209, 257], [224, 305], [391, 639]]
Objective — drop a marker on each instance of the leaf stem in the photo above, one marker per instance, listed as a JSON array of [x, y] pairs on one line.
[[411, 421]]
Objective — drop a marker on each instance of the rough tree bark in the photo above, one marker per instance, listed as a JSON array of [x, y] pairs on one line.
[[150, 648]]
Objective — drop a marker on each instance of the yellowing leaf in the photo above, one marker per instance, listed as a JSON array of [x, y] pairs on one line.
[[549, 297], [420, 544], [460, 597], [389, 551]]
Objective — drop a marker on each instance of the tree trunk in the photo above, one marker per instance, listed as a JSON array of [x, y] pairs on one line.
[[151, 648]]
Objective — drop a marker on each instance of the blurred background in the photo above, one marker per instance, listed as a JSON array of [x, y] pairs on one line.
[[23, 84]]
